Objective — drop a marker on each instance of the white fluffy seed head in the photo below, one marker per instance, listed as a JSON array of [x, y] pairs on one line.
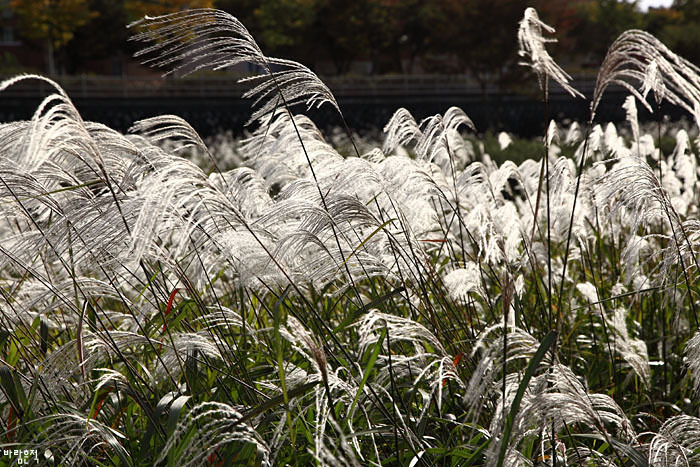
[[532, 42]]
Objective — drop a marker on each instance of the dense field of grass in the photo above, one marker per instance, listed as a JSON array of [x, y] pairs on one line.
[[408, 301]]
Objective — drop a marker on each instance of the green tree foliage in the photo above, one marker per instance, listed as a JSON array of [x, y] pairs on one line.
[[140, 8], [318, 30], [285, 24], [476, 37], [488, 53], [601, 23], [103, 37], [398, 36], [678, 28], [356, 32], [51, 22]]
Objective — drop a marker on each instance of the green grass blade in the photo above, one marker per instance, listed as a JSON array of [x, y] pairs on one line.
[[369, 237], [515, 406], [368, 369], [275, 401]]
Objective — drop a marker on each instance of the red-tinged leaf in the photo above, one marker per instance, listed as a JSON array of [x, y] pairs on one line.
[[434, 240], [99, 405], [455, 362], [168, 308], [171, 299], [212, 459]]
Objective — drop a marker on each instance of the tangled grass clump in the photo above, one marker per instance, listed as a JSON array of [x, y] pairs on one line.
[[412, 304]]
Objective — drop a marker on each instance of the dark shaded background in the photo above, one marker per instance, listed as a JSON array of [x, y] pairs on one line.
[[376, 55]]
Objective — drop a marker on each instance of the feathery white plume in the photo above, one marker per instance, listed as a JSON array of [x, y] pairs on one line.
[[531, 42], [639, 62], [188, 41], [631, 114]]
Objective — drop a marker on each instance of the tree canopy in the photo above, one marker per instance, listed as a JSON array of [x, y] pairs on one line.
[[51, 22], [475, 37]]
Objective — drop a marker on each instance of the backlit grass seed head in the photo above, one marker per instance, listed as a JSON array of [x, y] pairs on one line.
[[169, 127], [641, 63], [489, 346], [309, 343], [554, 402], [654, 82], [74, 438], [371, 325], [461, 281], [692, 360], [532, 46], [192, 40], [631, 114], [439, 243], [677, 443], [401, 129], [218, 425]]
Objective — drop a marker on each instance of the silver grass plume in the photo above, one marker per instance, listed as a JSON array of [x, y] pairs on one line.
[[337, 451], [400, 130], [61, 371], [631, 114], [654, 82], [193, 40], [304, 341], [573, 134], [692, 358], [639, 62], [73, 438], [106, 345], [677, 443], [400, 329], [632, 187], [438, 142], [295, 83], [531, 43], [632, 184], [216, 425], [276, 152], [434, 368], [55, 131], [554, 402], [684, 247], [171, 127], [461, 281], [57, 149], [246, 188], [521, 346], [335, 388], [632, 350]]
